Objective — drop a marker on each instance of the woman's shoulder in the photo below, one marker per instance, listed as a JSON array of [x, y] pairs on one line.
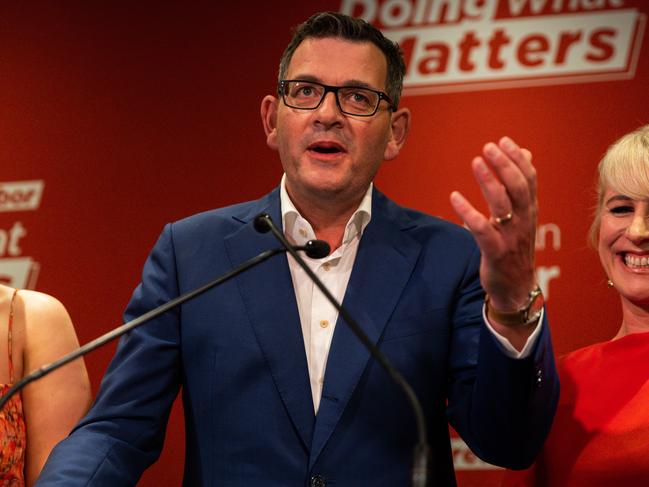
[[42, 318], [34, 299], [630, 343], [582, 351], [37, 306], [39, 301], [43, 328], [581, 356]]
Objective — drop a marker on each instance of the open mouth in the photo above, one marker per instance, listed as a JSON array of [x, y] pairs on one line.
[[326, 148]]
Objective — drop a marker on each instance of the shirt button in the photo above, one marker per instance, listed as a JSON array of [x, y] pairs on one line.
[[302, 232], [318, 481], [326, 266], [324, 323]]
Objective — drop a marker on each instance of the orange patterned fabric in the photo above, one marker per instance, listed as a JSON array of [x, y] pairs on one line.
[[600, 436], [12, 426]]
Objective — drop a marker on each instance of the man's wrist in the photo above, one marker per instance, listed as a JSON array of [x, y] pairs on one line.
[[529, 313]]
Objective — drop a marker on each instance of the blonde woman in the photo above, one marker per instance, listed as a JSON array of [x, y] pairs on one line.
[[601, 430]]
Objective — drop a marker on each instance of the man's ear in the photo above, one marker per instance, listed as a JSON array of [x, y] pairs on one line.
[[400, 126], [269, 119]]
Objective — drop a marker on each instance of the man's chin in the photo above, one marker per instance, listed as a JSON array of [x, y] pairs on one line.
[[325, 185]]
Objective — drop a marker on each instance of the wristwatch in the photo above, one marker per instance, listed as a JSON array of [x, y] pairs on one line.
[[527, 314]]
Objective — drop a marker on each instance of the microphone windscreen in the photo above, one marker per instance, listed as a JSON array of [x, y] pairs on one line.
[[261, 223], [317, 249]]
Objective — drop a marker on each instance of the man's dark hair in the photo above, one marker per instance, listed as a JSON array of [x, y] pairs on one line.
[[334, 24]]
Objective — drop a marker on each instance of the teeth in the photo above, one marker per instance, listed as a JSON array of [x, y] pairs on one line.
[[635, 261]]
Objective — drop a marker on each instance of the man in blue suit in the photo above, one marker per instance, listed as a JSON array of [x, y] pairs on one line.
[[277, 391]]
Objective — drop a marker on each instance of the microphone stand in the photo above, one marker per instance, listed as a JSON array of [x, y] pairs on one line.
[[263, 223], [313, 248]]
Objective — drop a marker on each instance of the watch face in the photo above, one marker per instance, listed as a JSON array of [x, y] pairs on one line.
[[535, 305]]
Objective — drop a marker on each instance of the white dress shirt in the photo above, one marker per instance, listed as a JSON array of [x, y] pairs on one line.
[[317, 316]]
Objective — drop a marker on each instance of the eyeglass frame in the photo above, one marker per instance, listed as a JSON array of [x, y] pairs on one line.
[[334, 90]]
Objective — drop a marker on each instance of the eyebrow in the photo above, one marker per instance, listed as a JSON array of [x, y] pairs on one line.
[[350, 82], [618, 197]]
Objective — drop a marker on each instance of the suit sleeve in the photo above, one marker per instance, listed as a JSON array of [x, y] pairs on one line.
[[123, 432], [502, 407]]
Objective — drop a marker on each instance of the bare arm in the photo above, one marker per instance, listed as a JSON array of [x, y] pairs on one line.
[[55, 403]]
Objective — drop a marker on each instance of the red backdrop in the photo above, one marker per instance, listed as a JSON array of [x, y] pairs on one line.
[[131, 114]]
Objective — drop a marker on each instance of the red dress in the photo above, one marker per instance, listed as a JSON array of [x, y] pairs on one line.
[[12, 426], [600, 436]]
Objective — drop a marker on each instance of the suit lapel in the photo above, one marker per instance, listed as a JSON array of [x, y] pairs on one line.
[[384, 263], [269, 298]]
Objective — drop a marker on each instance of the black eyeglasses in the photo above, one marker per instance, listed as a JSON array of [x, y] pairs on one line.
[[352, 100]]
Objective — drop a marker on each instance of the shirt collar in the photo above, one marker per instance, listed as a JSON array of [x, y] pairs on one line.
[[292, 221]]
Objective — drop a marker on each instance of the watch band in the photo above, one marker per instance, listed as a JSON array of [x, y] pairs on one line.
[[527, 314]]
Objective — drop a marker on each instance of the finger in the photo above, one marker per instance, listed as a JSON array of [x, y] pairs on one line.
[[510, 175], [492, 189], [482, 229], [523, 159], [530, 175]]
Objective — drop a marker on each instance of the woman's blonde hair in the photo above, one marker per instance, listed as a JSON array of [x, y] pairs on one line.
[[625, 169]]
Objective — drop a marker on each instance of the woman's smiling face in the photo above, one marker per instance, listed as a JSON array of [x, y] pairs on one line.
[[624, 244]]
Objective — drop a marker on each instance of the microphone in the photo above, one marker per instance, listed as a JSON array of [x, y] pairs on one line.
[[315, 249], [263, 223]]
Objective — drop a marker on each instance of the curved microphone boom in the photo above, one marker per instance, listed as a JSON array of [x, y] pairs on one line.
[[315, 249], [263, 223]]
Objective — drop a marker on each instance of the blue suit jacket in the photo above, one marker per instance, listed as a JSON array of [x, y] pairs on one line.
[[237, 352]]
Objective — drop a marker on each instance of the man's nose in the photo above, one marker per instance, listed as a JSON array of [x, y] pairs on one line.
[[329, 111]]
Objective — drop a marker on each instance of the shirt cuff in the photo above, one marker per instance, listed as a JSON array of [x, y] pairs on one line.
[[507, 347]]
